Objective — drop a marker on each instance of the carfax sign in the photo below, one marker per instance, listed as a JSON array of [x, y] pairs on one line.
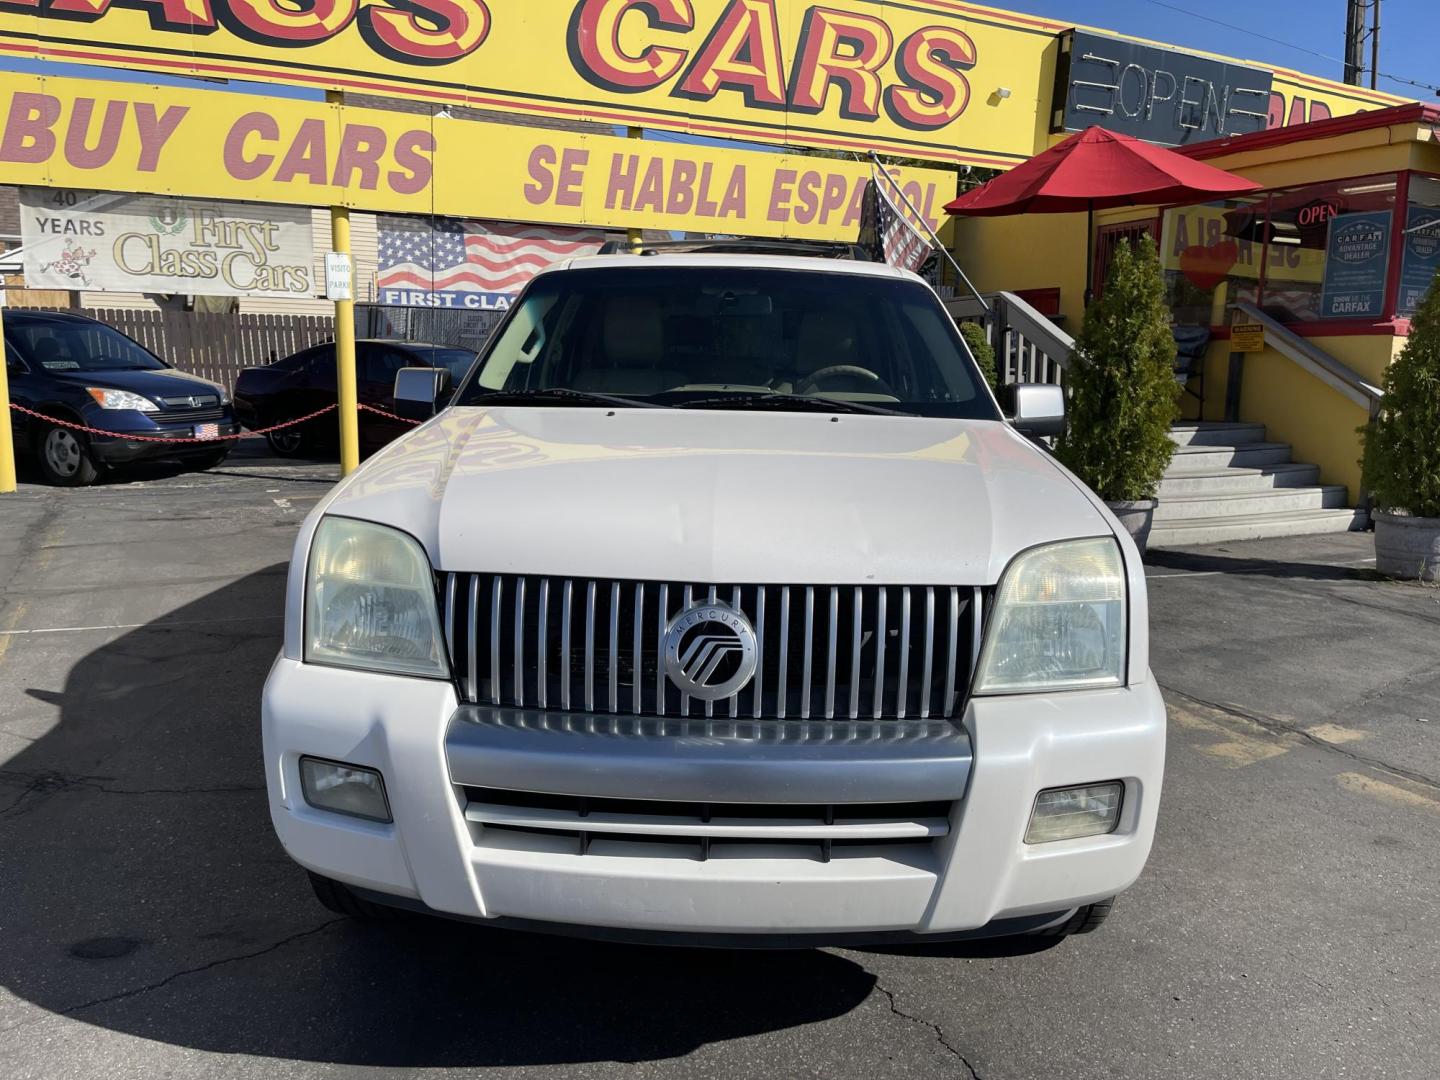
[[1421, 261], [1357, 257]]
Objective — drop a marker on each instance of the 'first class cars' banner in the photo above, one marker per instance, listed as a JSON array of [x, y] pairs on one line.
[[113, 136], [922, 78]]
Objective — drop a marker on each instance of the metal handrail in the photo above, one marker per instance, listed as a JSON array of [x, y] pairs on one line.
[[1333, 373], [1028, 346]]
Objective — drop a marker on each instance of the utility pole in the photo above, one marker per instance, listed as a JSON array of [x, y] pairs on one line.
[[1354, 36]]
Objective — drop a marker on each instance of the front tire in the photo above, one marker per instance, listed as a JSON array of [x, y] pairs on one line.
[[1086, 920], [341, 900], [287, 442], [65, 457]]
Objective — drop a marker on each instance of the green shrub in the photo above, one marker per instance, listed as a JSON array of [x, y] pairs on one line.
[[974, 335], [1402, 445], [1123, 394]]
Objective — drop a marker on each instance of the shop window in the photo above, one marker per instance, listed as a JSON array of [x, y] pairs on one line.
[[1211, 256], [1107, 239], [1328, 252], [1420, 257]]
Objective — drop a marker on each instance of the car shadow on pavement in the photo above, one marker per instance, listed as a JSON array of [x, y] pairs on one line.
[[1197, 562], [142, 891]]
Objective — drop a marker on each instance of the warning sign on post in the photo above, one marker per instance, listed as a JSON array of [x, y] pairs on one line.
[[1247, 338]]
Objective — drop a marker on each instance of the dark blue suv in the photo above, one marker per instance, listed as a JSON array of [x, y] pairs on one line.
[[79, 370]]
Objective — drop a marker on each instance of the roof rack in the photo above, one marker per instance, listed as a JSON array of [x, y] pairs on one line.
[[811, 248]]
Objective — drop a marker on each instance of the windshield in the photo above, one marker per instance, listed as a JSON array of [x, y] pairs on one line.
[[728, 337], [456, 361], [63, 345]]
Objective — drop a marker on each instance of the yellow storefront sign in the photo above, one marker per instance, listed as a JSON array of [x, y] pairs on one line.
[[75, 133], [915, 79]]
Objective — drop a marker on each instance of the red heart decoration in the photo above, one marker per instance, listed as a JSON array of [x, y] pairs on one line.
[[1207, 267]]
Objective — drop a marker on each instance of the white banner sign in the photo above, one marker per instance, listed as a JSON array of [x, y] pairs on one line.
[[106, 242]]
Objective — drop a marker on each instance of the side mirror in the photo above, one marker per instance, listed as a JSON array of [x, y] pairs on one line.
[[419, 391], [1037, 410]]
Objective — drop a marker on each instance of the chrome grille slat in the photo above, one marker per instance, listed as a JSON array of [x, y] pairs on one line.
[[566, 615], [662, 609], [902, 692], [615, 647], [542, 646], [590, 646], [782, 690], [495, 596], [871, 652], [929, 652], [856, 641], [881, 633], [472, 673], [830, 673], [519, 674], [809, 640], [637, 649]]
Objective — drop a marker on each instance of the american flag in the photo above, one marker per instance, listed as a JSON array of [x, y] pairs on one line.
[[473, 256], [888, 229]]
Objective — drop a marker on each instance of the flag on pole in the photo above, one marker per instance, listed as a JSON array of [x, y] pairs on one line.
[[887, 230]]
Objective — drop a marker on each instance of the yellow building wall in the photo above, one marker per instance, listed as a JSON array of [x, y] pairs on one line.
[[1297, 408]]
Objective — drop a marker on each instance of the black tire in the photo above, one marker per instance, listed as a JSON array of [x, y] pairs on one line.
[[1086, 920], [289, 442], [64, 457], [342, 901]]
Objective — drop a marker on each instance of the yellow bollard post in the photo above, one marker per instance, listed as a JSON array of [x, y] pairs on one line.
[[345, 382], [7, 436], [636, 236]]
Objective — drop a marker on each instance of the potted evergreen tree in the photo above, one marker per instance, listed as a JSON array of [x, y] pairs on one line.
[[1402, 453], [1123, 394]]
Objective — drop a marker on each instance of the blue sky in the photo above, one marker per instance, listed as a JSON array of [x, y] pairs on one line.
[[1284, 32]]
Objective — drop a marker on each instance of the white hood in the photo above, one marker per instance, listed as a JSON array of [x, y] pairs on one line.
[[720, 496]]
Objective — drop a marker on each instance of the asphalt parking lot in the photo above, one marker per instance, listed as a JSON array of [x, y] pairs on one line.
[[1287, 925]]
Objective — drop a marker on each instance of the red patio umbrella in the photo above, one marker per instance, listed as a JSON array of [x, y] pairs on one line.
[[1094, 170]]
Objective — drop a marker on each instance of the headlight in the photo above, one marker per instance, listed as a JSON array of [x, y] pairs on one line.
[[1059, 621], [121, 399], [370, 601]]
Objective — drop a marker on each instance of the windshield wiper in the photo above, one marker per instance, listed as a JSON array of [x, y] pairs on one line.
[[549, 395], [789, 401]]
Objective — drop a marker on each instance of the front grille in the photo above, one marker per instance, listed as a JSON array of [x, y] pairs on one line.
[[188, 416], [597, 646], [573, 825]]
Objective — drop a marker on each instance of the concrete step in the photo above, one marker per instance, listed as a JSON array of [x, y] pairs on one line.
[[1248, 455], [1193, 531], [1220, 481], [1247, 503], [1212, 433]]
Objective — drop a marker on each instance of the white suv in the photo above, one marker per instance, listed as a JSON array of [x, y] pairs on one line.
[[721, 602]]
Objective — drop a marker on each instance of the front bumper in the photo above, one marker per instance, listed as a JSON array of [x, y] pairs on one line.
[[439, 760], [119, 450]]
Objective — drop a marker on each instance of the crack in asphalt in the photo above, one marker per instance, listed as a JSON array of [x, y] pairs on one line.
[[168, 979], [934, 1028], [1279, 727], [47, 783]]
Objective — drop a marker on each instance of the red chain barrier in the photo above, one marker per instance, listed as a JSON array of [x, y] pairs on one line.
[[388, 415], [173, 438]]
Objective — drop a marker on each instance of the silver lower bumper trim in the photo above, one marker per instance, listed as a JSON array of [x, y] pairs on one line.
[[723, 761]]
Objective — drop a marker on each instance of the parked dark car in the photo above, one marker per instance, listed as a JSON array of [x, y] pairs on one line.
[[77, 369], [305, 383]]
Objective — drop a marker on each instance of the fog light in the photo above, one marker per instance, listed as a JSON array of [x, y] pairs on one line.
[[1065, 813], [344, 789]]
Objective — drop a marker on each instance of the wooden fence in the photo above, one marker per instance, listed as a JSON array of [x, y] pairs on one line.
[[215, 345]]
